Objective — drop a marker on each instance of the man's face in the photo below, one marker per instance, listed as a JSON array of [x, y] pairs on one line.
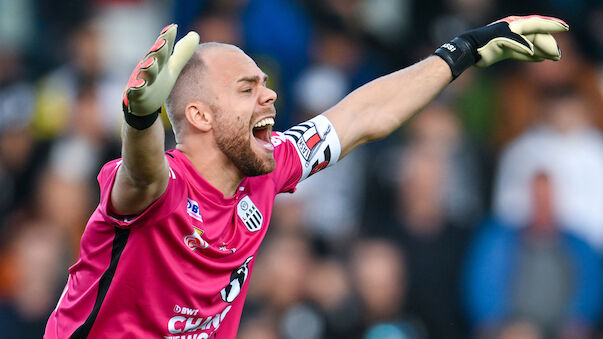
[[243, 111]]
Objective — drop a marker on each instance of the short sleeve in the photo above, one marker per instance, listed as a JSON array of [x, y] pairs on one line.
[[157, 210], [287, 172], [304, 150]]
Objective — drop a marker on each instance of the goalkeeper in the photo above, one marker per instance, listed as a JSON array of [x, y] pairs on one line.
[[169, 250]]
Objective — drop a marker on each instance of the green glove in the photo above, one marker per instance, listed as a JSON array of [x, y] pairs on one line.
[[526, 38], [153, 78]]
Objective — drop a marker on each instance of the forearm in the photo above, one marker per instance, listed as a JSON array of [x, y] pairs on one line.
[[143, 156], [376, 109], [143, 175]]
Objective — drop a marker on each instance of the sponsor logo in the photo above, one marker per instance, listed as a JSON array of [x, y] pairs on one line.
[[194, 240], [192, 208], [237, 279], [449, 47], [188, 321], [250, 214]]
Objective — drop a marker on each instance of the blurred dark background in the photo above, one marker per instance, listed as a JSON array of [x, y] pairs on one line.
[[481, 218]]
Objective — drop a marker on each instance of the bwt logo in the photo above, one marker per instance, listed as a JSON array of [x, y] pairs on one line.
[[180, 324], [185, 310]]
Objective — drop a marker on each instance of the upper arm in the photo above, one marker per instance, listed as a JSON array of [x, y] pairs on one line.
[[376, 109], [131, 197]]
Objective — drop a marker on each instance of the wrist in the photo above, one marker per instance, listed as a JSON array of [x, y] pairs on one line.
[[140, 122], [459, 54]]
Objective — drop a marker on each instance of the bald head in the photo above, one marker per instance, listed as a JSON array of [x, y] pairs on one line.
[[191, 85]]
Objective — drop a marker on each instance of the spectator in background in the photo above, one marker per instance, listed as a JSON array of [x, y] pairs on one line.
[[539, 274], [30, 260], [277, 294], [380, 276], [18, 164], [331, 203], [569, 148], [519, 103], [58, 92], [430, 214]]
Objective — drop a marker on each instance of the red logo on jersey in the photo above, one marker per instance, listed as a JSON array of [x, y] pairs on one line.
[[194, 240]]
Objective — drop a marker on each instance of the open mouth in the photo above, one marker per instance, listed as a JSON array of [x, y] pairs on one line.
[[262, 131]]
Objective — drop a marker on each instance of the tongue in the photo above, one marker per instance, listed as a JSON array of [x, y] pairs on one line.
[[266, 145], [262, 137]]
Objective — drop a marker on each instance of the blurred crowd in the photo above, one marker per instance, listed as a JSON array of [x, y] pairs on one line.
[[481, 218]]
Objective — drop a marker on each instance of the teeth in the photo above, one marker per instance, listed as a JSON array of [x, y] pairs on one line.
[[264, 122]]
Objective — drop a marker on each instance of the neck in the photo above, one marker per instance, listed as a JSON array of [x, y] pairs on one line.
[[214, 167]]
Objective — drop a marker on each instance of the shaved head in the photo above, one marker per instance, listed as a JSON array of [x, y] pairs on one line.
[[191, 85]]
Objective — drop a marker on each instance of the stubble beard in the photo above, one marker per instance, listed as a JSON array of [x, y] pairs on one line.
[[236, 145]]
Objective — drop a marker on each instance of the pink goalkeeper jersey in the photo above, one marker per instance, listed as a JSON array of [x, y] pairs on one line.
[[181, 268]]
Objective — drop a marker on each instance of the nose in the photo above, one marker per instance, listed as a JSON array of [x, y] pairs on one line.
[[268, 96]]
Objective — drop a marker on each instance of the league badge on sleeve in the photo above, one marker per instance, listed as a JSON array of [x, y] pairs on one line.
[[316, 143]]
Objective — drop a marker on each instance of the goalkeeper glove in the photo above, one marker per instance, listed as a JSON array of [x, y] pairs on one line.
[[154, 77], [526, 38]]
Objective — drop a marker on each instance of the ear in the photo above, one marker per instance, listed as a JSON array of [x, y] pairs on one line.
[[199, 116]]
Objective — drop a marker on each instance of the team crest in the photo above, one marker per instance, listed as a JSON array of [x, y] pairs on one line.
[[249, 214], [194, 240]]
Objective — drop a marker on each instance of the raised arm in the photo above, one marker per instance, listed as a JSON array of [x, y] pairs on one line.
[[143, 175], [376, 109]]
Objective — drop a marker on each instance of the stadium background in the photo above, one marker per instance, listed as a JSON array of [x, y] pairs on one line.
[[482, 217]]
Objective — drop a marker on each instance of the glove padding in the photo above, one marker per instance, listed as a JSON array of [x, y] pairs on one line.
[[526, 38], [153, 78]]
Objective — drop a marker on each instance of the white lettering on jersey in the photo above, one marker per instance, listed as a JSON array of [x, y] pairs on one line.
[[179, 324]]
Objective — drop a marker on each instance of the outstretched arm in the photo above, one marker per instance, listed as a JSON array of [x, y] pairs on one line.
[[143, 175], [376, 109]]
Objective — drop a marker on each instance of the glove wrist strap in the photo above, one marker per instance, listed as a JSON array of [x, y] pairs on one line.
[[140, 122], [458, 54]]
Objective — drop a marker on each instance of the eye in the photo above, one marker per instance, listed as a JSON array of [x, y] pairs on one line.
[[247, 90]]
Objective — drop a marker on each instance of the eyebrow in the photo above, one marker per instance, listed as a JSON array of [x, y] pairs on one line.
[[254, 78]]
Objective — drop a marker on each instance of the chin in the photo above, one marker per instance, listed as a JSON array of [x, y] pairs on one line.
[[267, 166]]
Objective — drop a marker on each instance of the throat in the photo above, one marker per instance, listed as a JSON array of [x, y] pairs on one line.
[[216, 170]]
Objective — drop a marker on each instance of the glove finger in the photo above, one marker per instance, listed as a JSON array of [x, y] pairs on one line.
[[163, 46], [149, 73], [183, 51], [133, 96], [523, 46], [536, 24], [169, 34], [503, 48], [545, 46]]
